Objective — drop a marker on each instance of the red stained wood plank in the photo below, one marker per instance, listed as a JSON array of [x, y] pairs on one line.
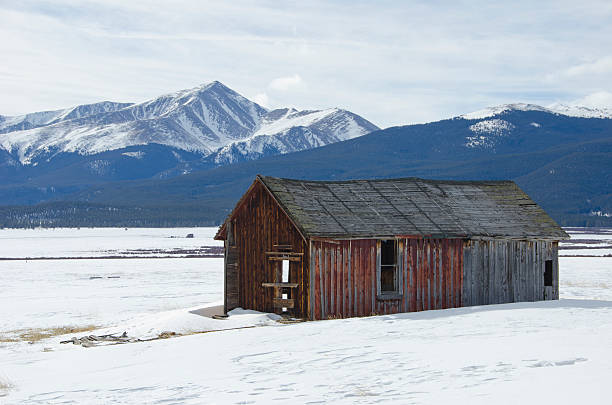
[[339, 277], [317, 286], [365, 254], [332, 279], [459, 274], [351, 267], [359, 278], [327, 281], [354, 298], [409, 281], [362, 278], [443, 272], [367, 288], [459, 248], [457, 280], [445, 268], [345, 284], [370, 254], [449, 274], [414, 271], [432, 267], [424, 276], [453, 277], [371, 279], [355, 277], [373, 287], [403, 305], [432, 273], [426, 263], [439, 271], [419, 275]]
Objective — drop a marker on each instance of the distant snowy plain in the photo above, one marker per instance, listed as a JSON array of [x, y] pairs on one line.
[[558, 351]]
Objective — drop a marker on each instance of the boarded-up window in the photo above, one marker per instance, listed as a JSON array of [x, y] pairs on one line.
[[388, 267], [548, 273]]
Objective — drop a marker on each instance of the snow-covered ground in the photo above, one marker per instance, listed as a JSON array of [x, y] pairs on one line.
[[555, 352], [587, 242], [96, 242], [47, 293]]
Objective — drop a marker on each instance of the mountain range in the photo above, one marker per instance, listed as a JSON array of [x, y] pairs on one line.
[[560, 155], [173, 134]]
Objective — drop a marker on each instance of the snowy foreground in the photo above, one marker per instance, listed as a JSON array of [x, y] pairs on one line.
[[559, 352]]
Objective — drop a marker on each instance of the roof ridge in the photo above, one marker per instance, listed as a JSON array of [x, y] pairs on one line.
[[388, 179]]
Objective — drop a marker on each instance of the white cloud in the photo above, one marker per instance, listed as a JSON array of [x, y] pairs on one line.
[[261, 99], [597, 67], [600, 99], [392, 62], [285, 83]]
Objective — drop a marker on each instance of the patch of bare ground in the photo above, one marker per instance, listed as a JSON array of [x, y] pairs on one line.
[[5, 386], [38, 334]]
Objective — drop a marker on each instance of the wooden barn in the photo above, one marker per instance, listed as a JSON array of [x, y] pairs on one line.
[[335, 249]]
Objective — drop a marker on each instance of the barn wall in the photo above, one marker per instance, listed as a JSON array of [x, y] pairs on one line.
[[343, 277], [259, 224], [503, 271]]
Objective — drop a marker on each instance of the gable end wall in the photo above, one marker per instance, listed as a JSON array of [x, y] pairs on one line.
[[259, 224]]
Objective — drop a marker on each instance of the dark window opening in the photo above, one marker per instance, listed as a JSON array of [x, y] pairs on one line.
[[548, 273], [388, 266]]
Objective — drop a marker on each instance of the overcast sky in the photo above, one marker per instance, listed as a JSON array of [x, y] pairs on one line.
[[394, 62]]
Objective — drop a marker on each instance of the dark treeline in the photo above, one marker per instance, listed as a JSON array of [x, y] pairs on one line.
[[72, 215], [82, 214]]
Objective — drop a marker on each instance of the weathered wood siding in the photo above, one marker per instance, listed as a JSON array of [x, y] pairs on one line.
[[259, 224], [503, 271], [231, 298], [343, 277]]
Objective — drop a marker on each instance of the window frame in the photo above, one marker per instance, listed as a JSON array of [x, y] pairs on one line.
[[398, 281]]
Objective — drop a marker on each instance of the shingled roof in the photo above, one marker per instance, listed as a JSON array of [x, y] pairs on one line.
[[412, 206]]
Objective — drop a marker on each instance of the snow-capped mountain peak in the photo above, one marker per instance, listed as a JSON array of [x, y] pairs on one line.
[[203, 119], [43, 118], [495, 110], [277, 121], [572, 110], [289, 130]]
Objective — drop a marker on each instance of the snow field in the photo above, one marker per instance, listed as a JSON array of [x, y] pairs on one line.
[[49, 293], [555, 351], [586, 278], [92, 242], [514, 353]]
